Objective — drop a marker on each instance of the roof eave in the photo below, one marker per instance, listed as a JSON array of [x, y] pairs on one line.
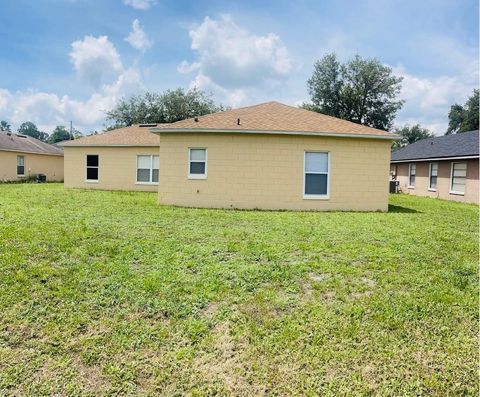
[[391, 137], [467, 157], [31, 152], [113, 145]]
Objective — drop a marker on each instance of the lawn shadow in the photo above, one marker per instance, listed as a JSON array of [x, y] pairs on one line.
[[404, 210]]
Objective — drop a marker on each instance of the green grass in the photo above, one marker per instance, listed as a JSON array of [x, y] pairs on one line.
[[108, 293]]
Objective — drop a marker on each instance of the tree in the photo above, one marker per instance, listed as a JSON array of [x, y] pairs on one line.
[[464, 118], [409, 135], [60, 133], [361, 90], [30, 129], [167, 107], [4, 126]]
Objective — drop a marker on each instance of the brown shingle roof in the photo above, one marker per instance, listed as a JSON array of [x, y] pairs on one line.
[[273, 117], [26, 144], [134, 135]]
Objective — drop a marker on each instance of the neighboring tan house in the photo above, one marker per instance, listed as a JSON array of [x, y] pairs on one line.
[[23, 157], [445, 167], [121, 159], [273, 156]]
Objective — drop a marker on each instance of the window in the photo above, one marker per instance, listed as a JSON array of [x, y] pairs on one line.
[[432, 176], [316, 168], [20, 165], [458, 176], [412, 171], [147, 169], [197, 163], [92, 168]]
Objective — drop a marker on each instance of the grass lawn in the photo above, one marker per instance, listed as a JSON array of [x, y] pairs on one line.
[[107, 293]]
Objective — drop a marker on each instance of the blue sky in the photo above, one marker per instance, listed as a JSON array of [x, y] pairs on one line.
[[63, 60]]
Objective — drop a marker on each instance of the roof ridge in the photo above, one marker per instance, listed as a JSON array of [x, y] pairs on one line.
[[28, 144], [106, 132], [128, 135], [342, 120], [452, 145], [324, 117], [445, 136], [332, 118], [228, 111]]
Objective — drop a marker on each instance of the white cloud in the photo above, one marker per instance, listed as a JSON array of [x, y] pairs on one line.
[[232, 96], [138, 38], [428, 100], [186, 67], [139, 4], [95, 59], [48, 109], [234, 62]]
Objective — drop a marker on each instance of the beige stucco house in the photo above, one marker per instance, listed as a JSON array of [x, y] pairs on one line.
[[121, 159], [273, 156], [443, 167], [268, 156], [23, 157]]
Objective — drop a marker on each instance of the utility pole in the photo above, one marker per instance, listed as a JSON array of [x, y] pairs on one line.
[[71, 130]]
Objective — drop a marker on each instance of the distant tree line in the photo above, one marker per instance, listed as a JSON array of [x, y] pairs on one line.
[[60, 133], [166, 107]]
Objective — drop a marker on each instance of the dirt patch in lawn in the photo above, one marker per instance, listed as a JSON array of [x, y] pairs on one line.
[[226, 363]]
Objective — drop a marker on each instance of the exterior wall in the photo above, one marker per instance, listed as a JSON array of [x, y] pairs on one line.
[[443, 180], [266, 172], [49, 165], [117, 167]]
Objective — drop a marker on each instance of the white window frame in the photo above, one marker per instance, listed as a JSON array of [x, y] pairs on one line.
[[430, 188], [451, 178], [197, 176], [19, 157], [410, 173], [316, 196], [87, 167], [137, 182]]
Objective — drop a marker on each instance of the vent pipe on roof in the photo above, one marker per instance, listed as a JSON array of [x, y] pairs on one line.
[[196, 119], [238, 121]]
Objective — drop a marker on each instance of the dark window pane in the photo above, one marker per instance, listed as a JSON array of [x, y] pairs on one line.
[[412, 180], [197, 167], [316, 183], [155, 176], [92, 160], [433, 182], [92, 174], [20, 170], [143, 175]]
